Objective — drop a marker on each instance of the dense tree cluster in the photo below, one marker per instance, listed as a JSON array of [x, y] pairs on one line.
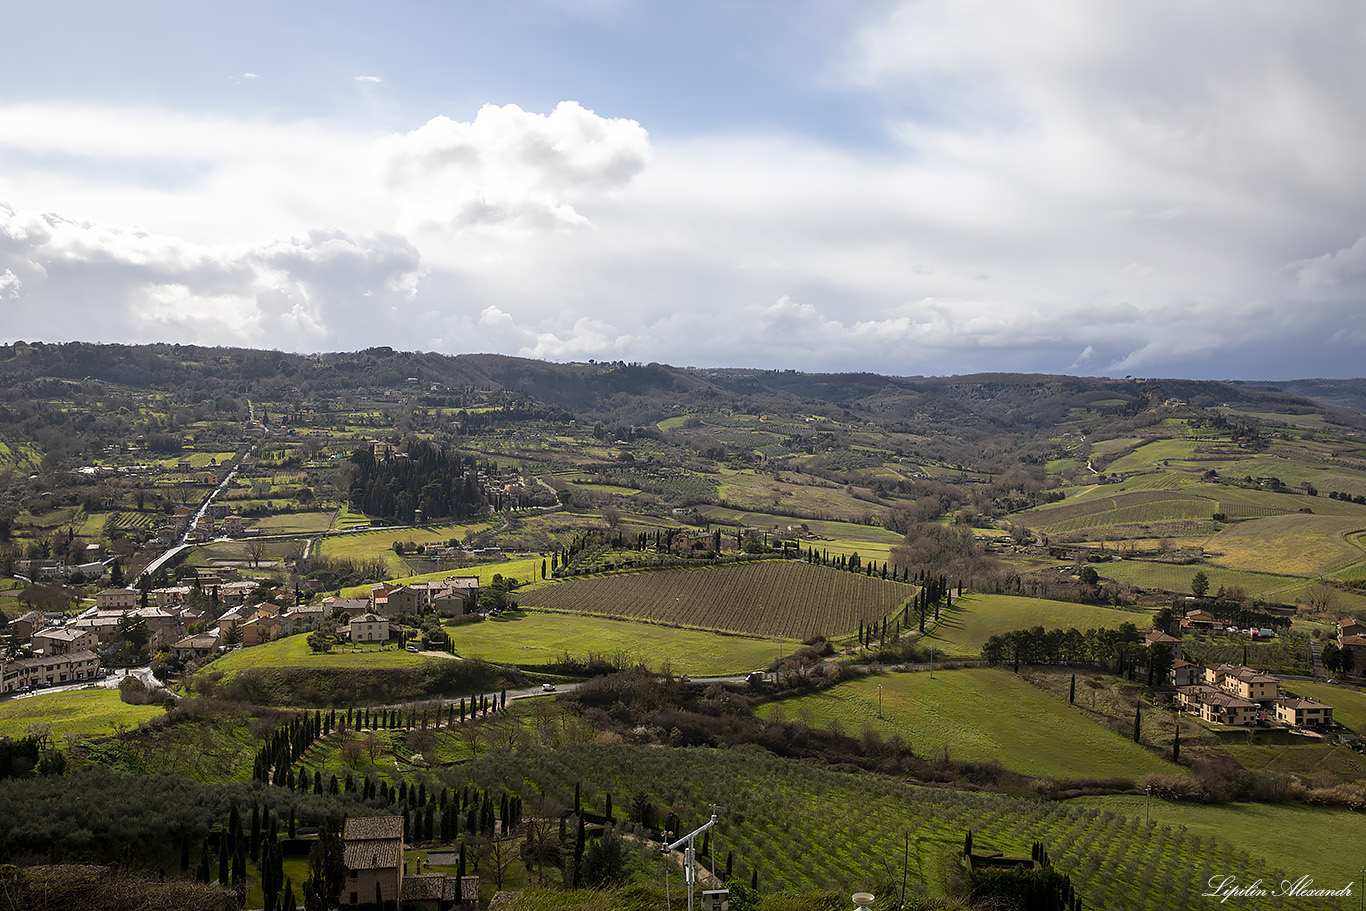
[[438, 480], [1106, 648]]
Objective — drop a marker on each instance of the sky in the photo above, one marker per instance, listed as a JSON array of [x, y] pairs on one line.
[[1137, 187]]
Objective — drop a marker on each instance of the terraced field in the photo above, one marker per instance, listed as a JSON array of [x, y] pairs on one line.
[[768, 598]]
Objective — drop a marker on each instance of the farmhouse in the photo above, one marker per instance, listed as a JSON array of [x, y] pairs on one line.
[[1200, 619], [368, 628]]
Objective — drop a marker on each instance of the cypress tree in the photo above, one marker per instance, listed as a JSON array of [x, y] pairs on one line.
[[1072, 691], [287, 903], [222, 859], [1176, 744], [754, 877], [1138, 717]]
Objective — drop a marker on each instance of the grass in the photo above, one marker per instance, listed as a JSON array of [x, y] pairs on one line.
[[964, 628], [95, 712], [293, 651], [1176, 578], [297, 522], [1292, 545], [1294, 837], [537, 638], [978, 714], [1302, 758], [524, 570]]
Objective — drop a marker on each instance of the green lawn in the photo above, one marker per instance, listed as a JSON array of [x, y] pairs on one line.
[[965, 627], [541, 637], [95, 712], [1301, 840], [293, 651], [978, 714]]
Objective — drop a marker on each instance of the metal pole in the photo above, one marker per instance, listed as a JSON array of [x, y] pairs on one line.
[[689, 873]]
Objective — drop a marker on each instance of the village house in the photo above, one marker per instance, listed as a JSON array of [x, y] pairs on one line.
[[240, 617], [1303, 713], [262, 629], [353, 607], [170, 596], [26, 624], [235, 594], [1184, 673], [372, 849], [451, 597], [116, 599], [1243, 682], [199, 645], [1216, 706], [1157, 637], [101, 623], [26, 673], [64, 640], [368, 628], [1199, 619]]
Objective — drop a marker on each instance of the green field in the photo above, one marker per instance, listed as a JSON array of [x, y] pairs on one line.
[[523, 569], [1294, 545], [978, 714], [293, 651], [367, 545], [965, 627], [537, 638], [94, 712], [1173, 577]]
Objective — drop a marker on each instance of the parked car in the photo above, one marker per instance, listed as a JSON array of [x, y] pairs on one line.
[[413, 649], [548, 687]]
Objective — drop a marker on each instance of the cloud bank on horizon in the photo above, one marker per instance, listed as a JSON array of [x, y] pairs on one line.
[[905, 187]]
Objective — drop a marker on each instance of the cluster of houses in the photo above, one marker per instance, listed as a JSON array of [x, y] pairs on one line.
[[1230, 693], [1234, 694], [63, 649], [218, 520]]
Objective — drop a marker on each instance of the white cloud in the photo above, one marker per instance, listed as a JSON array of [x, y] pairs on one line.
[[1332, 269], [367, 80], [1048, 189]]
